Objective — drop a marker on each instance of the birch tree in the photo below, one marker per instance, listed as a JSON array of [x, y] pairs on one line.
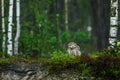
[[113, 22], [10, 22], [3, 26], [66, 15], [18, 27]]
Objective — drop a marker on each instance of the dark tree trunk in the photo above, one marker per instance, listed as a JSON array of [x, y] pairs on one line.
[[99, 28], [74, 14]]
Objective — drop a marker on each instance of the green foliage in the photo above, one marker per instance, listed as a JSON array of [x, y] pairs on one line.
[[39, 22], [39, 34], [104, 66], [96, 54], [86, 72], [65, 36], [13, 59], [44, 40], [59, 55], [115, 50], [81, 37], [2, 54], [118, 48], [59, 61], [84, 40], [4, 61]]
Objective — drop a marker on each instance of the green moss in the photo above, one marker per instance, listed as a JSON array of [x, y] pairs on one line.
[[86, 72], [107, 66], [4, 61]]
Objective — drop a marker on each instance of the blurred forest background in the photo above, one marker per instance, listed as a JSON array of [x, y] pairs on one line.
[[44, 28]]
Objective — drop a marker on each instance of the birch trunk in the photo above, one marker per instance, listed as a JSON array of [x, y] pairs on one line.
[[18, 27], [66, 15], [10, 22], [3, 26], [113, 22]]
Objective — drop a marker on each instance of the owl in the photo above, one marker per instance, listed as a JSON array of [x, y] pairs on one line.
[[74, 49]]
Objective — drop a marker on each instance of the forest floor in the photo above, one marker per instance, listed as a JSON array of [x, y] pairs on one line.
[[104, 66]]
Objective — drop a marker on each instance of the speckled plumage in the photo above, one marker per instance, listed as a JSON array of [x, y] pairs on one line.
[[73, 49]]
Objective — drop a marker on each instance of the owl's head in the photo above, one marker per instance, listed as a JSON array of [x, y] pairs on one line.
[[72, 45]]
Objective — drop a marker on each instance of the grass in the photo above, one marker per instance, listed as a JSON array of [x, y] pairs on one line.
[[4, 61]]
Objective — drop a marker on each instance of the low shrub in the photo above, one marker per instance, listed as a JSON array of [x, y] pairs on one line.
[[105, 66], [113, 50]]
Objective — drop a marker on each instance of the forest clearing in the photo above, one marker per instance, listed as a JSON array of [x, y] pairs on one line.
[[60, 40]]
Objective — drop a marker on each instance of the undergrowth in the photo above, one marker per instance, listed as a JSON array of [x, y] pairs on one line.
[[106, 66]]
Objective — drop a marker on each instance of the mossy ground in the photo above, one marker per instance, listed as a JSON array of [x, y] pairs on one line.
[[107, 66]]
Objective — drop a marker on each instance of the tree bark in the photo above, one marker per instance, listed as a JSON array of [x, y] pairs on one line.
[[18, 27], [99, 27], [113, 22], [58, 21], [3, 26], [10, 23], [66, 15]]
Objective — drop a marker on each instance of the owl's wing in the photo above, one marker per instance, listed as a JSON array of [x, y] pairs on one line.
[[78, 47], [69, 51], [78, 52]]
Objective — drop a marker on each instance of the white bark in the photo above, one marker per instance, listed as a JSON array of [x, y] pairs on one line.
[[66, 14], [3, 26], [10, 22], [113, 22], [18, 27]]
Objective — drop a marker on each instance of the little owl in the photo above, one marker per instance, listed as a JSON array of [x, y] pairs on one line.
[[73, 49]]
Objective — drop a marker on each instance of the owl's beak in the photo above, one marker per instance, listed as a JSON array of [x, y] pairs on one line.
[[71, 47]]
